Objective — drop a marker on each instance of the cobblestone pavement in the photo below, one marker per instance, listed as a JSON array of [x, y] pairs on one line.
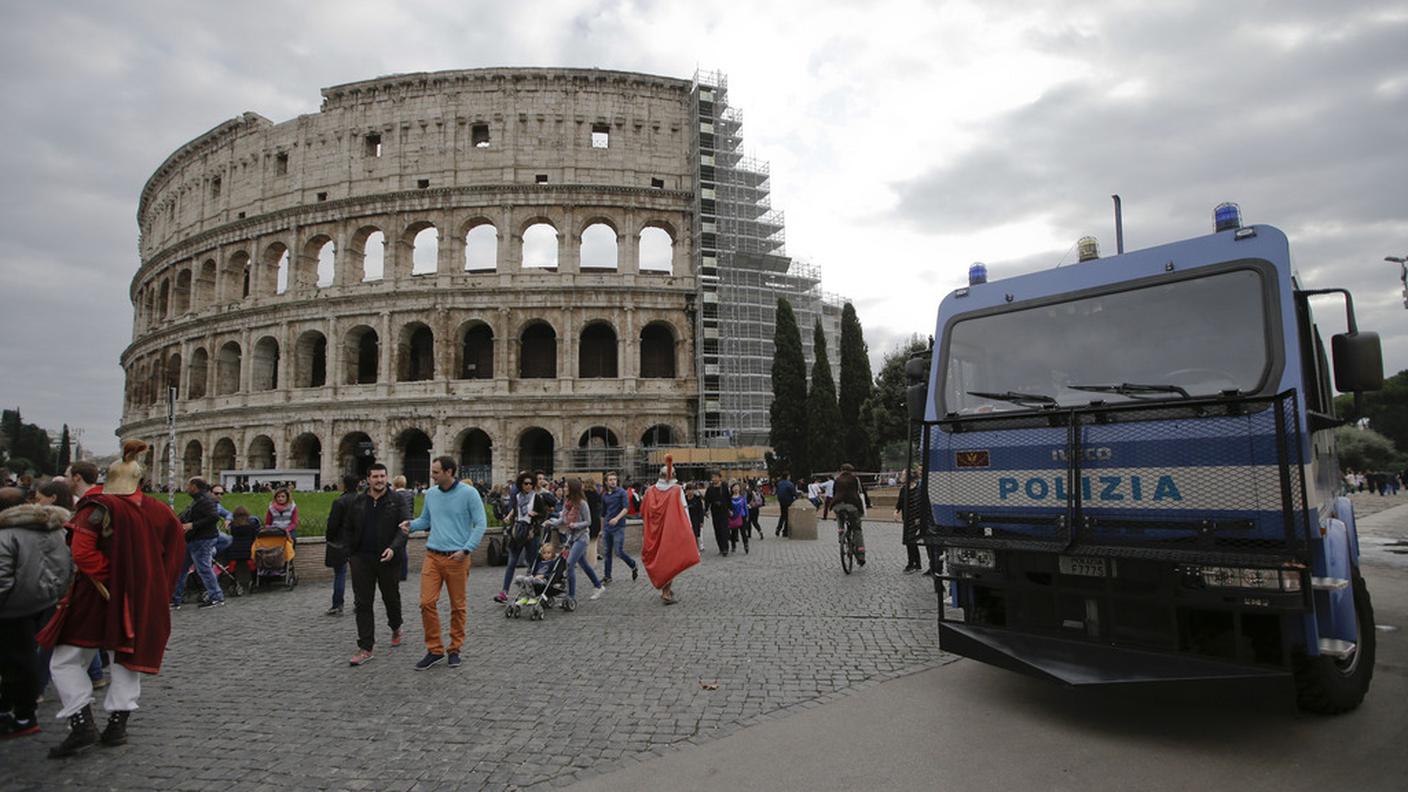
[[258, 694]]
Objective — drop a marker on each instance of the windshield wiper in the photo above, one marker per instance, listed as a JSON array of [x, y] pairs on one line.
[[1015, 397], [1132, 390]]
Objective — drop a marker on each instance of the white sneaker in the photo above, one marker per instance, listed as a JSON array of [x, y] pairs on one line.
[[597, 594]]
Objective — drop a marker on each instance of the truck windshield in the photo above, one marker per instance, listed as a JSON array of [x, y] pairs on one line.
[[1185, 338]]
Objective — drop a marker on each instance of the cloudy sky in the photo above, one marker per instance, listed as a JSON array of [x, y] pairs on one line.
[[907, 139]]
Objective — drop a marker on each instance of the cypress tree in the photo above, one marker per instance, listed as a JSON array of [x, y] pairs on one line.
[[823, 416], [65, 451], [788, 413], [858, 446]]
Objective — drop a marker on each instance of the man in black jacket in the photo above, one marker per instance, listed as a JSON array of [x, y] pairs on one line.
[[371, 533], [201, 521], [335, 552], [716, 499]]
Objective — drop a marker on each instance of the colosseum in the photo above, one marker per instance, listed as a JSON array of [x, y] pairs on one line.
[[496, 264]]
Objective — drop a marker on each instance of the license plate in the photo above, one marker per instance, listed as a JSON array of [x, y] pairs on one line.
[[970, 557], [1085, 567]]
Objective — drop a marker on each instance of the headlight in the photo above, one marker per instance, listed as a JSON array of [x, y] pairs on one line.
[[971, 557], [1248, 578]]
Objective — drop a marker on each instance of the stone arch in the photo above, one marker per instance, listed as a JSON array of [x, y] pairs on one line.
[[656, 252], [476, 455], [198, 372], [261, 455], [599, 249], [657, 351], [537, 351], [474, 350], [539, 245], [361, 355], [238, 279], [227, 369], [318, 264], [310, 360], [598, 437], [306, 452], [414, 446], [275, 263], [481, 244], [597, 351], [421, 241], [367, 251], [163, 299], [536, 450], [265, 363], [660, 435], [222, 457], [598, 448], [192, 459], [204, 295], [181, 295], [148, 302], [355, 453], [171, 376], [415, 353]]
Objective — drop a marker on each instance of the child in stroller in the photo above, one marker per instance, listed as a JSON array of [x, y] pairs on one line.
[[273, 557], [542, 586]]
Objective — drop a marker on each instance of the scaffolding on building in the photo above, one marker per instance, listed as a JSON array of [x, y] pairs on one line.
[[743, 269]]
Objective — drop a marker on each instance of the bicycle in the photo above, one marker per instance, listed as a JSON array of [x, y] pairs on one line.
[[845, 536]]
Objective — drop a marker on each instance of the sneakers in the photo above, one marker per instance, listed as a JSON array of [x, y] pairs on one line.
[[10, 726], [333, 611], [429, 660], [360, 658], [597, 594], [910, 570], [395, 637], [211, 603], [502, 596], [606, 581], [454, 660], [175, 606], [635, 572]]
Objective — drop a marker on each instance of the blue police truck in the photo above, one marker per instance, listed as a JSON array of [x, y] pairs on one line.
[[1130, 467]]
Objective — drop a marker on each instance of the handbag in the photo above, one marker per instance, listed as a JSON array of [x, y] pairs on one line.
[[735, 521]]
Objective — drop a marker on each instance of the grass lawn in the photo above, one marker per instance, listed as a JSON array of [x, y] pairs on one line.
[[313, 507]]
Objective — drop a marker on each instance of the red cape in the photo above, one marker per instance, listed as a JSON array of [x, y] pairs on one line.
[[145, 553], [668, 547]]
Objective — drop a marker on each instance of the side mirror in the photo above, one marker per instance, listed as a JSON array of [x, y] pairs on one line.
[[1359, 362], [916, 374]]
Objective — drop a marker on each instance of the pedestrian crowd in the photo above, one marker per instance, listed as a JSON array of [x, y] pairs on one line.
[[1380, 483]]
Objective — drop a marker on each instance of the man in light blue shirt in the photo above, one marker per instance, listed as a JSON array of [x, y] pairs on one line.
[[453, 513]]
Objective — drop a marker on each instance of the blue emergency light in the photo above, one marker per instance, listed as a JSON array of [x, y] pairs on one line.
[[978, 273], [1227, 216]]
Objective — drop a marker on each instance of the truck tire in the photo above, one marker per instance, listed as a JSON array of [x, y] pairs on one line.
[[1327, 686]]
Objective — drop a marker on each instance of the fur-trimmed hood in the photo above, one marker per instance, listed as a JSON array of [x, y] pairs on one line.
[[31, 515]]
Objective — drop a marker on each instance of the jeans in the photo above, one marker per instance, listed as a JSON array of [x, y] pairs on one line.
[[782, 527], [368, 575], [614, 537], [339, 585], [525, 554], [199, 553], [577, 556], [222, 543]]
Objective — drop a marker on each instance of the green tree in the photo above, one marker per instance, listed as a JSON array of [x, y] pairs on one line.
[[858, 446], [891, 422], [65, 451], [1387, 410], [823, 414], [10, 425], [788, 415], [1365, 450]]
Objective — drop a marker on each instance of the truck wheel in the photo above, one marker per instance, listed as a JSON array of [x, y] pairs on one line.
[[1329, 686]]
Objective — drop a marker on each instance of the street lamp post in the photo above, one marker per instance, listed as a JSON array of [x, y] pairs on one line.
[[1402, 262]]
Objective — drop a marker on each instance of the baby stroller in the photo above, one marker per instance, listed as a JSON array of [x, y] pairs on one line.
[[273, 559], [195, 588], [536, 597]]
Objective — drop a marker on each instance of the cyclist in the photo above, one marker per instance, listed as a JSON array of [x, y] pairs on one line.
[[848, 502]]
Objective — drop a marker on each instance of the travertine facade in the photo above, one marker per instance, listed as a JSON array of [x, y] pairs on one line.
[[533, 307]]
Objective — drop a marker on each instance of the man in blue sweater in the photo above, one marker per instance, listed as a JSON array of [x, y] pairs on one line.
[[454, 515], [786, 495]]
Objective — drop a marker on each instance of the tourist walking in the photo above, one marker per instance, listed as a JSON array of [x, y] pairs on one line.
[[525, 520], [756, 501], [594, 533], [667, 546], [369, 529], [575, 521], [737, 518], [908, 512], [334, 549], [786, 496], [694, 503], [200, 521], [117, 603], [716, 500], [615, 504], [398, 488], [35, 569], [453, 513]]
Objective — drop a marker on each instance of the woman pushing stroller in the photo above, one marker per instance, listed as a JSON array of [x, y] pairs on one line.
[[575, 522], [525, 524]]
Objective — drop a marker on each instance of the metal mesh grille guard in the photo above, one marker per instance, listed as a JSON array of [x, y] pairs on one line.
[[1203, 480]]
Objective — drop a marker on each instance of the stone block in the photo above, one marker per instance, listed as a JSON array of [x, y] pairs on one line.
[[801, 519]]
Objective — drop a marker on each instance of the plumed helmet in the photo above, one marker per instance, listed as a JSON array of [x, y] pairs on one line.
[[125, 475]]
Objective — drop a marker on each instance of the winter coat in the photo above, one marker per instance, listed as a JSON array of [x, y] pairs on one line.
[[35, 565]]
